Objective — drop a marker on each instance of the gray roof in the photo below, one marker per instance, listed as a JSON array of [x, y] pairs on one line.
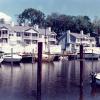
[[17, 28], [6, 26], [45, 31], [78, 35]]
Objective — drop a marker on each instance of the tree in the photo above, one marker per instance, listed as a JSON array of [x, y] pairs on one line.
[[83, 23], [96, 25], [31, 17], [61, 23]]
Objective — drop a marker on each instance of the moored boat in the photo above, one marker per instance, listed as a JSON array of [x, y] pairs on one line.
[[95, 78], [15, 58], [46, 57], [91, 53], [1, 59]]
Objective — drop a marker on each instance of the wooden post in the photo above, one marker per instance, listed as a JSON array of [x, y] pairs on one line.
[[32, 56], [12, 56], [81, 65], [81, 93], [39, 71]]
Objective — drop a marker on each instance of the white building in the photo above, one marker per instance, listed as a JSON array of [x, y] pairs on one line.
[[28, 37], [70, 42]]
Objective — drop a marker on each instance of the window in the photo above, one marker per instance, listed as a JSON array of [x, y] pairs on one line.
[[52, 36], [26, 34], [18, 34], [40, 35], [11, 35], [4, 40], [18, 41], [78, 40], [93, 45], [52, 42], [34, 41], [34, 34], [27, 41], [4, 31], [0, 33]]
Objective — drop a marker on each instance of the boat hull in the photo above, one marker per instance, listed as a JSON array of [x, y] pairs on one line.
[[1, 59], [89, 56], [46, 58], [14, 58]]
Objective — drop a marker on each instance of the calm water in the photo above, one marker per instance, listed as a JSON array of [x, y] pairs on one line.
[[60, 81]]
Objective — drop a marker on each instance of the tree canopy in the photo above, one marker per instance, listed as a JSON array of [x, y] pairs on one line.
[[31, 17], [58, 22], [61, 23]]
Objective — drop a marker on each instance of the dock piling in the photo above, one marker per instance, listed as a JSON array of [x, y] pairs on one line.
[[39, 71], [32, 56], [12, 56], [81, 65]]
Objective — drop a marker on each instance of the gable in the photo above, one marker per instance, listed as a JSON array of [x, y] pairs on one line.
[[3, 28], [31, 31], [72, 38]]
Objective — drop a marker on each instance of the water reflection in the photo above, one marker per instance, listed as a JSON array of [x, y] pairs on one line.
[[60, 81]]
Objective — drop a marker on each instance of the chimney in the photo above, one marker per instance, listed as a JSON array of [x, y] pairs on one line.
[[49, 28], [81, 32], [12, 24], [88, 34], [68, 36], [68, 31], [36, 26]]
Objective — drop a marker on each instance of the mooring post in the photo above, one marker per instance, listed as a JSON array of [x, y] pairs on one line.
[[12, 56], [39, 71], [32, 56], [81, 93], [81, 65]]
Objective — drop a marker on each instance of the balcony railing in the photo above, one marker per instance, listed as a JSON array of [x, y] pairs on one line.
[[4, 35]]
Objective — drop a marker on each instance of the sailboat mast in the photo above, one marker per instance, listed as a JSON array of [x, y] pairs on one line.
[[45, 36]]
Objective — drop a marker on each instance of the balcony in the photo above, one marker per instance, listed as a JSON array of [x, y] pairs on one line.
[[52, 39], [34, 38], [4, 35], [27, 37]]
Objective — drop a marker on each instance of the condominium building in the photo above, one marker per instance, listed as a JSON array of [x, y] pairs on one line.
[[70, 41], [26, 35]]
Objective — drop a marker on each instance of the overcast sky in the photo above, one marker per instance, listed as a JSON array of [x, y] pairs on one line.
[[90, 8]]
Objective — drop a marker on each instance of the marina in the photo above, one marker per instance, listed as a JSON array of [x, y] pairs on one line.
[[49, 50], [60, 81]]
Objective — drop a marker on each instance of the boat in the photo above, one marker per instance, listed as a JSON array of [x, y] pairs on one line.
[[90, 53], [26, 57], [45, 57], [1, 56], [97, 78], [1, 59], [15, 58]]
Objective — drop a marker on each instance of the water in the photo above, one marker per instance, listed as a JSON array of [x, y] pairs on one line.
[[60, 81]]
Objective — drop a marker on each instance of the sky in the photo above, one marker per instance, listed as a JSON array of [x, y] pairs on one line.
[[90, 8]]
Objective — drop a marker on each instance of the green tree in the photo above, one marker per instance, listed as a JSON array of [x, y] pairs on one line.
[[31, 17], [61, 23], [83, 23], [96, 25]]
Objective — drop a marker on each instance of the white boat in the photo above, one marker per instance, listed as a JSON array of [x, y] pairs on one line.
[[1, 56], [12, 58], [95, 78], [46, 57], [1, 59], [90, 53]]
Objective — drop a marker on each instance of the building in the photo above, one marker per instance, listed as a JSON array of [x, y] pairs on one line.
[[70, 42], [27, 36]]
